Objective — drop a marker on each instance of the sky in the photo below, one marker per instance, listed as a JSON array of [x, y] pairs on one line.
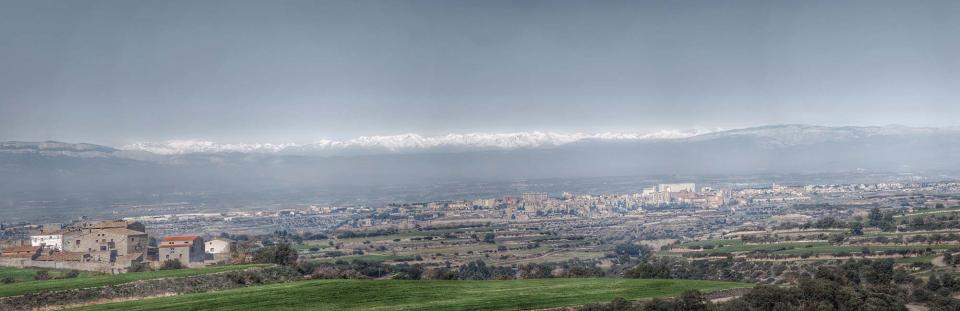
[[118, 72]]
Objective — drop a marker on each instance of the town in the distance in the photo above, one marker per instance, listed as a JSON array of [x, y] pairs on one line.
[[794, 226]]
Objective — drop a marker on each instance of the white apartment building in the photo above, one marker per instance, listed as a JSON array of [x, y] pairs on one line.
[[691, 187]]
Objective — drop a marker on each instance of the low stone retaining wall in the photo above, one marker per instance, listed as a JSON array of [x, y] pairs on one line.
[[67, 265]]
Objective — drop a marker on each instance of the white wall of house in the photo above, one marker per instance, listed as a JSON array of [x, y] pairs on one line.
[[54, 241], [217, 247]]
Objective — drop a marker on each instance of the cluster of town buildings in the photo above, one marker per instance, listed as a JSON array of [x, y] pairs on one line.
[[109, 246]]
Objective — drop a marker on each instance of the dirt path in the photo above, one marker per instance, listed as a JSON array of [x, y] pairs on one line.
[[938, 261]]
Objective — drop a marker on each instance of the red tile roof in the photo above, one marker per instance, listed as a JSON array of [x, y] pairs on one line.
[[21, 249], [63, 256], [178, 241]]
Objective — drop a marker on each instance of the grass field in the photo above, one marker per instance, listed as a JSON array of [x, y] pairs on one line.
[[711, 242], [104, 280], [422, 295], [21, 275]]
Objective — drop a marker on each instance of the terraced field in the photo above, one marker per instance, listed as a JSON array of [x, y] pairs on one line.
[[85, 281], [423, 295], [955, 209], [799, 248]]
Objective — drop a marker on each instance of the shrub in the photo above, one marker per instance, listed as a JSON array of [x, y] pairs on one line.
[[42, 275], [171, 264], [138, 267]]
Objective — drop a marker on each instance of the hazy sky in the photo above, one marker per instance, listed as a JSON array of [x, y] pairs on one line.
[[115, 72]]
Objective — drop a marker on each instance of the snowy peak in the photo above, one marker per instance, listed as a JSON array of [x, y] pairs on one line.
[[199, 146]]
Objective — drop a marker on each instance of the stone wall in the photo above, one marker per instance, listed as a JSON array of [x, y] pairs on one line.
[[67, 265]]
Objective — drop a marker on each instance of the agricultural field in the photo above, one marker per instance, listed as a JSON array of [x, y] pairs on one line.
[[509, 245], [423, 295], [96, 280]]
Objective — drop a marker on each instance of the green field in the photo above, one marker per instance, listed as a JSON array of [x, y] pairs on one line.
[[712, 242], [853, 249], [26, 287], [422, 295], [21, 275]]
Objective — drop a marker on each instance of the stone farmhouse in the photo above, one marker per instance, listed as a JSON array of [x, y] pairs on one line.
[[187, 249]]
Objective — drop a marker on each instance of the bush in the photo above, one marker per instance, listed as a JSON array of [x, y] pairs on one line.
[[648, 271], [171, 264], [8, 280], [138, 267], [71, 274], [489, 238], [42, 275]]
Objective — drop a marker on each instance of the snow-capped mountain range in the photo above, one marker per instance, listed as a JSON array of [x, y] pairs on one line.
[[409, 143], [773, 136]]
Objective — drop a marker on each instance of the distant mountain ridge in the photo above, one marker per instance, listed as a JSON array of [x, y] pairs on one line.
[[408, 143], [781, 135]]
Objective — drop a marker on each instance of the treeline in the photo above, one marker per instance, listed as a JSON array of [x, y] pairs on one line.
[[727, 269], [475, 270], [366, 234]]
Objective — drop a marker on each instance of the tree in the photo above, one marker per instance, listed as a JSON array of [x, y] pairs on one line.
[[856, 228], [534, 271], [632, 250], [875, 217], [933, 284], [489, 238], [692, 300], [280, 254], [475, 270]]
